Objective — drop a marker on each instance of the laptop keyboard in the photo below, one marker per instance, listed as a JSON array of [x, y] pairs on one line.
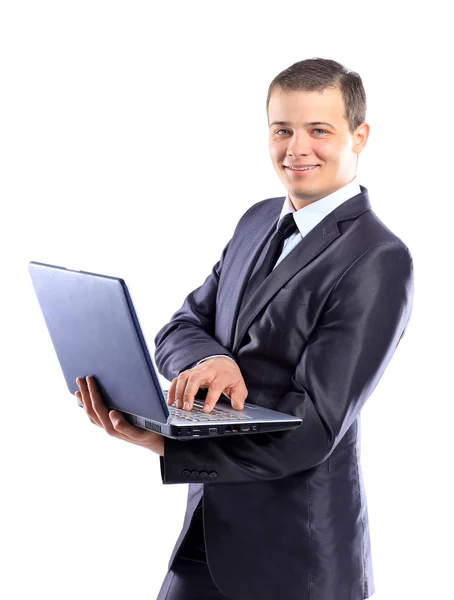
[[196, 415]]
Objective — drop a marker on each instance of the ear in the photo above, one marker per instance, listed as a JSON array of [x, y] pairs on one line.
[[360, 137]]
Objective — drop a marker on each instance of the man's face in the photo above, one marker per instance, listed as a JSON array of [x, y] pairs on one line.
[[309, 129]]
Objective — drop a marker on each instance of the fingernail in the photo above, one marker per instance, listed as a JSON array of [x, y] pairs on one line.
[[206, 407], [186, 405]]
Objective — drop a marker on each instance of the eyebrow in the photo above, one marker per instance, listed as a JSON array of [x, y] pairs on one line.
[[310, 124]]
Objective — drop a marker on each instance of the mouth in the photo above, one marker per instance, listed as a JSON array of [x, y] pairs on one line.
[[301, 168]]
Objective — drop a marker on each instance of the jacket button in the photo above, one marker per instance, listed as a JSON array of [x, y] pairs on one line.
[[203, 475], [186, 473], [195, 474], [212, 475]]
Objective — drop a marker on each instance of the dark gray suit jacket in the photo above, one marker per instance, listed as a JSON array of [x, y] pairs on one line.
[[285, 513]]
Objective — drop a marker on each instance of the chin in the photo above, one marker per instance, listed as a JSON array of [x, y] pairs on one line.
[[304, 192], [307, 195]]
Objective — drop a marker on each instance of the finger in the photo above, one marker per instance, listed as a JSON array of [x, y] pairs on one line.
[[79, 396], [212, 397], [88, 404], [121, 427], [136, 435], [86, 401], [192, 387], [99, 408], [171, 391], [129, 432], [238, 395], [180, 388]]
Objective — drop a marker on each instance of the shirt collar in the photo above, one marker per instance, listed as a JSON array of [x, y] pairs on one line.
[[308, 217]]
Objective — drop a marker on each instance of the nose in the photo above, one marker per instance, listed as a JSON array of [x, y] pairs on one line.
[[299, 144]]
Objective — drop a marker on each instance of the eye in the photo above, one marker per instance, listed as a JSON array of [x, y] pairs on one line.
[[279, 131], [322, 130]]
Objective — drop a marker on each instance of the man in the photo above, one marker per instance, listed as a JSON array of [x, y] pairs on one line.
[[284, 514]]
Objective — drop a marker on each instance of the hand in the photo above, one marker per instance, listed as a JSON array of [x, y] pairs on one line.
[[220, 375], [112, 421]]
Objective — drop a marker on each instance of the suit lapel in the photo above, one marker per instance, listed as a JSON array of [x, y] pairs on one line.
[[244, 258], [317, 240]]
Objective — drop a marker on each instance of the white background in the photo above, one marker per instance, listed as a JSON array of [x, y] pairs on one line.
[[133, 136]]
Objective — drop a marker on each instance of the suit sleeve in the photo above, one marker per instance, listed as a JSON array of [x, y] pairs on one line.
[[189, 336], [362, 324]]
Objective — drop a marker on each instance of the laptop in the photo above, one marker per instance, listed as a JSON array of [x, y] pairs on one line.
[[95, 331]]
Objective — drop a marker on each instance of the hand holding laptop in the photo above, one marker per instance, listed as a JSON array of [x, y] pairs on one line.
[[112, 421], [220, 374]]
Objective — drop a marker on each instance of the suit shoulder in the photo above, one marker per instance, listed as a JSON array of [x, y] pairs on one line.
[[263, 208], [376, 232]]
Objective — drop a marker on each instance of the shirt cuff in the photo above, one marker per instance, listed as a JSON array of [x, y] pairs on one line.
[[215, 356]]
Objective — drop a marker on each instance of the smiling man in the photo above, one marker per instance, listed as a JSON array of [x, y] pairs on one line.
[[302, 314], [314, 144]]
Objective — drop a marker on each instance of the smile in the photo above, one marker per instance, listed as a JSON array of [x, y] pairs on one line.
[[308, 168], [298, 172]]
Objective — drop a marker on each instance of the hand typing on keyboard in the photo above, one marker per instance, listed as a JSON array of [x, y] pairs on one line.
[[220, 375], [197, 415]]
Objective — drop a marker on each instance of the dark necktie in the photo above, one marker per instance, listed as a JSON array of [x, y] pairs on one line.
[[286, 227]]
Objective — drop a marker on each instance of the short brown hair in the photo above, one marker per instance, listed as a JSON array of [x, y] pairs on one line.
[[319, 74]]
